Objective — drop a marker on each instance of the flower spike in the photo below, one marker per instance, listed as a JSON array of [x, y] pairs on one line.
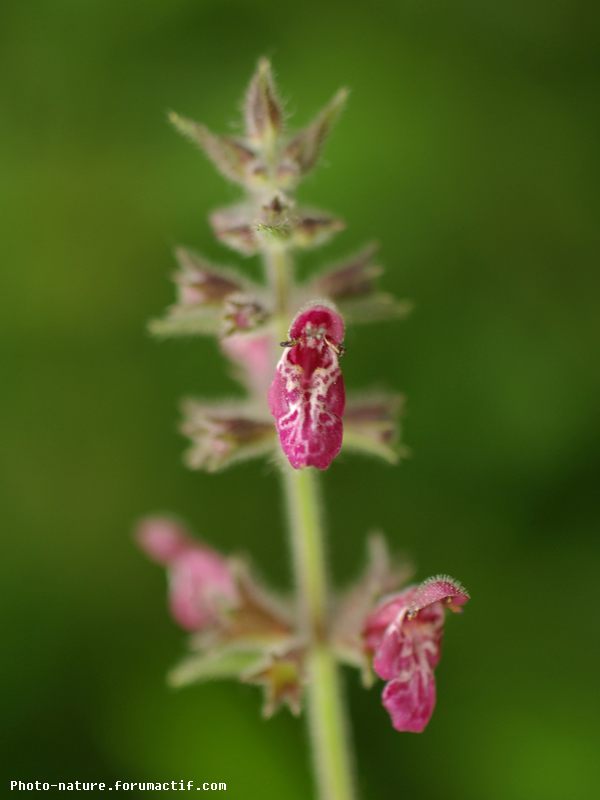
[[239, 629]]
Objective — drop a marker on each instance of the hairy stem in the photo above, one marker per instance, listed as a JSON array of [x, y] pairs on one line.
[[327, 724], [308, 549], [278, 267]]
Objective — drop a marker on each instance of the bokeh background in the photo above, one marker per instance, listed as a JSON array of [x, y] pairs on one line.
[[470, 149]]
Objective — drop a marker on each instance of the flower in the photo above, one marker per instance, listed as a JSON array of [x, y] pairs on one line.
[[404, 634], [307, 396], [201, 582]]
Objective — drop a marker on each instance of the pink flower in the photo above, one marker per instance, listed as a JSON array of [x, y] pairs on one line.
[[307, 396], [252, 355], [404, 633], [201, 585]]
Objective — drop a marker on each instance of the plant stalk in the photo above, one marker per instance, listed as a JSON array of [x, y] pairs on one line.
[[326, 713]]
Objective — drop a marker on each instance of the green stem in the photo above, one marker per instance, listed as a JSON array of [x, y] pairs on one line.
[[326, 713], [308, 548], [278, 269], [327, 723]]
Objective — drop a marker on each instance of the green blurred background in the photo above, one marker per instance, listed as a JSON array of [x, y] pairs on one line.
[[470, 150]]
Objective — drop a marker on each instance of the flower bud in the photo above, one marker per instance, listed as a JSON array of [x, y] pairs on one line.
[[162, 538], [201, 584]]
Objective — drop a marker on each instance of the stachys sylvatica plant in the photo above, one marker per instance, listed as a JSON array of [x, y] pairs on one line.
[[284, 339]]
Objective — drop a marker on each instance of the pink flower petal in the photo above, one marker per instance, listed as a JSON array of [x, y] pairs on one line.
[[410, 702], [200, 587], [384, 615], [440, 588]]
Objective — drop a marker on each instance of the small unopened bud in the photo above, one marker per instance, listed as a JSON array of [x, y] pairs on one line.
[[262, 109], [162, 538], [223, 434], [201, 582]]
